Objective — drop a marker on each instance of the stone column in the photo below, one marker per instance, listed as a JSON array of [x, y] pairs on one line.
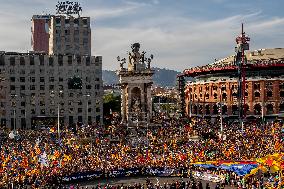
[[123, 104], [149, 102]]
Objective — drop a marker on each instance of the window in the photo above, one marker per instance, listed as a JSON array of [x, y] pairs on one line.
[[23, 112], [32, 61], [12, 87], [281, 93], [32, 87], [41, 79], [32, 79], [256, 86], [57, 20], [98, 110], [71, 94], [52, 111], [12, 79], [51, 79], [79, 110], [60, 79], [42, 111], [85, 21], [67, 32], [23, 103], [69, 60], [41, 60], [78, 59], [50, 61], [22, 79], [88, 61], [12, 61], [51, 87], [33, 111], [88, 86], [269, 94], [256, 94], [41, 87], [23, 87], [60, 60], [41, 103], [2, 60], [22, 61]]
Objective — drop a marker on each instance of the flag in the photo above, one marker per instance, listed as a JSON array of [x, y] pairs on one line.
[[277, 145], [37, 150], [56, 154]]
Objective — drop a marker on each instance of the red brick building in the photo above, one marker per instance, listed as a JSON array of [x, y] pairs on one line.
[[216, 86]]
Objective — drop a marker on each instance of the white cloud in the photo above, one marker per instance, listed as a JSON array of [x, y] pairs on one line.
[[177, 42], [184, 45]]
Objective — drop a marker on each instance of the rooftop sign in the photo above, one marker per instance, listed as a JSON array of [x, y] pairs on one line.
[[68, 8]]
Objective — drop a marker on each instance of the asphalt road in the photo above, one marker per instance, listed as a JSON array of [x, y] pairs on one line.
[[142, 180]]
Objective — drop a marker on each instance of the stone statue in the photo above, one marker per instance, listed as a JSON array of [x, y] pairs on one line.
[[136, 105], [135, 56]]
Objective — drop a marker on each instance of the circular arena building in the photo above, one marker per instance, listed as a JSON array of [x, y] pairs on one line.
[[214, 91]]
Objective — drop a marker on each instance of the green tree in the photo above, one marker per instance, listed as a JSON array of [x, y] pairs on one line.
[[111, 102]]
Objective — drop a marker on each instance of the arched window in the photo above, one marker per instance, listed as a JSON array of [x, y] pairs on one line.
[[257, 94], [269, 109], [215, 109], [224, 97], [235, 110], [224, 109], [269, 94], [281, 108], [257, 109], [207, 109], [194, 109], [281, 93]]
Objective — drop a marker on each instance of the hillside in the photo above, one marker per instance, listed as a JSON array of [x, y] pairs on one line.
[[162, 77]]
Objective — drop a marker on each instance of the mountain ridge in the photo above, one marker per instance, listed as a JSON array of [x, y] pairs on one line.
[[163, 77]]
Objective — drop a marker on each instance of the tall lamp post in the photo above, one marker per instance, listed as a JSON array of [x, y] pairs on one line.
[[58, 113], [14, 111]]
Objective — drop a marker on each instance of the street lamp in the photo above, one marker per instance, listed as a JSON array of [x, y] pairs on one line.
[[14, 111], [58, 113]]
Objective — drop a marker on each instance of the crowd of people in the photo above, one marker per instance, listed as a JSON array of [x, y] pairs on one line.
[[43, 158]]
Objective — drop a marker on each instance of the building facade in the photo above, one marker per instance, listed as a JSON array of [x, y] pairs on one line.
[[215, 89], [70, 35], [33, 87]]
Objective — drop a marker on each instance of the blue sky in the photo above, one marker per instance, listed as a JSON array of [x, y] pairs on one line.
[[180, 33]]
